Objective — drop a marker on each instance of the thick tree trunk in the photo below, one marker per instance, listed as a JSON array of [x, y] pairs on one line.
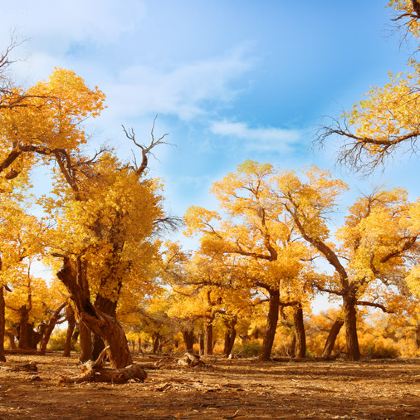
[[272, 319], [209, 339], [230, 336], [350, 323], [108, 307], [73, 276], [25, 330], [201, 343], [332, 336], [2, 322], [300, 347], [188, 336], [71, 324], [50, 327], [85, 341]]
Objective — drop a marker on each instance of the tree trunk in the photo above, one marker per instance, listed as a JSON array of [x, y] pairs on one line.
[[25, 330], [73, 275], [188, 336], [300, 348], [156, 343], [230, 336], [332, 336], [11, 337], [50, 327], [272, 319], [2, 322], [209, 339], [85, 341], [108, 307], [201, 343], [71, 324], [350, 323]]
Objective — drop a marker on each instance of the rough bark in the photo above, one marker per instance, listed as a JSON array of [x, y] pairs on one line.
[[209, 339], [350, 323], [272, 319], [50, 327], [85, 341], [71, 324], [201, 343], [188, 336], [2, 322], [300, 346], [230, 336], [332, 336], [73, 276], [25, 329], [108, 307]]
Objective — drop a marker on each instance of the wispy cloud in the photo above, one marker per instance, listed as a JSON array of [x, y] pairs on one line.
[[184, 91], [261, 139]]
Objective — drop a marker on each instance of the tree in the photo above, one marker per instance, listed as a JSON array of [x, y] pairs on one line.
[[388, 119], [378, 241], [258, 231]]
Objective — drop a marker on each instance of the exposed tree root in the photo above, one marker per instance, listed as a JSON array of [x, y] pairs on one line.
[[93, 371], [190, 360]]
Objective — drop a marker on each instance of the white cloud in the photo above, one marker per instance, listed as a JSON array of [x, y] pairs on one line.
[[57, 24], [183, 90], [261, 139]]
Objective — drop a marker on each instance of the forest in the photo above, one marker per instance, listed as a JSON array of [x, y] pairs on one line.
[[127, 303]]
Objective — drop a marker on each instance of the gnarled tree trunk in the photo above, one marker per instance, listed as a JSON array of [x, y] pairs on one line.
[[300, 346], [332, 336], [73, 276], [272, 319], [350, 323]]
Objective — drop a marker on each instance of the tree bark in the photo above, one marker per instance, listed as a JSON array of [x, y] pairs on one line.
[[230, 336], [300, 347], [85, 341], [201, 343], [156, 343], [209, 339], [272, 319], [25, 330], [50, 327], [350, 323], [332, 336], [71, 324], [73, 275], [188, 336], [108, 307], [2, 322]]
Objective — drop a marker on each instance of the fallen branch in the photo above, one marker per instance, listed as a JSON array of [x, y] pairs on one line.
[[93, 371]]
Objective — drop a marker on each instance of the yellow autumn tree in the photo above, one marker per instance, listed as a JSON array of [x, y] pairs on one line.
[[388, 118], [375, 246], [255, 228]]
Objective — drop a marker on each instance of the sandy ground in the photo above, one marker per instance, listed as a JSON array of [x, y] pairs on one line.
[[225, 390]]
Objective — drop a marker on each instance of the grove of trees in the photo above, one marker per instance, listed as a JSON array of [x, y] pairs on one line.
[[265, 253]]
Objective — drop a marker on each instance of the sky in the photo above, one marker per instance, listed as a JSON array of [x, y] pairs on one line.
[[229, 80]]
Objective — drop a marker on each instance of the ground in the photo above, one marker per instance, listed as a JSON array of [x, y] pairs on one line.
[[227, 389]]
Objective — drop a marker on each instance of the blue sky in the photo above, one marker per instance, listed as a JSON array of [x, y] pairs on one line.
[[230, 80]]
